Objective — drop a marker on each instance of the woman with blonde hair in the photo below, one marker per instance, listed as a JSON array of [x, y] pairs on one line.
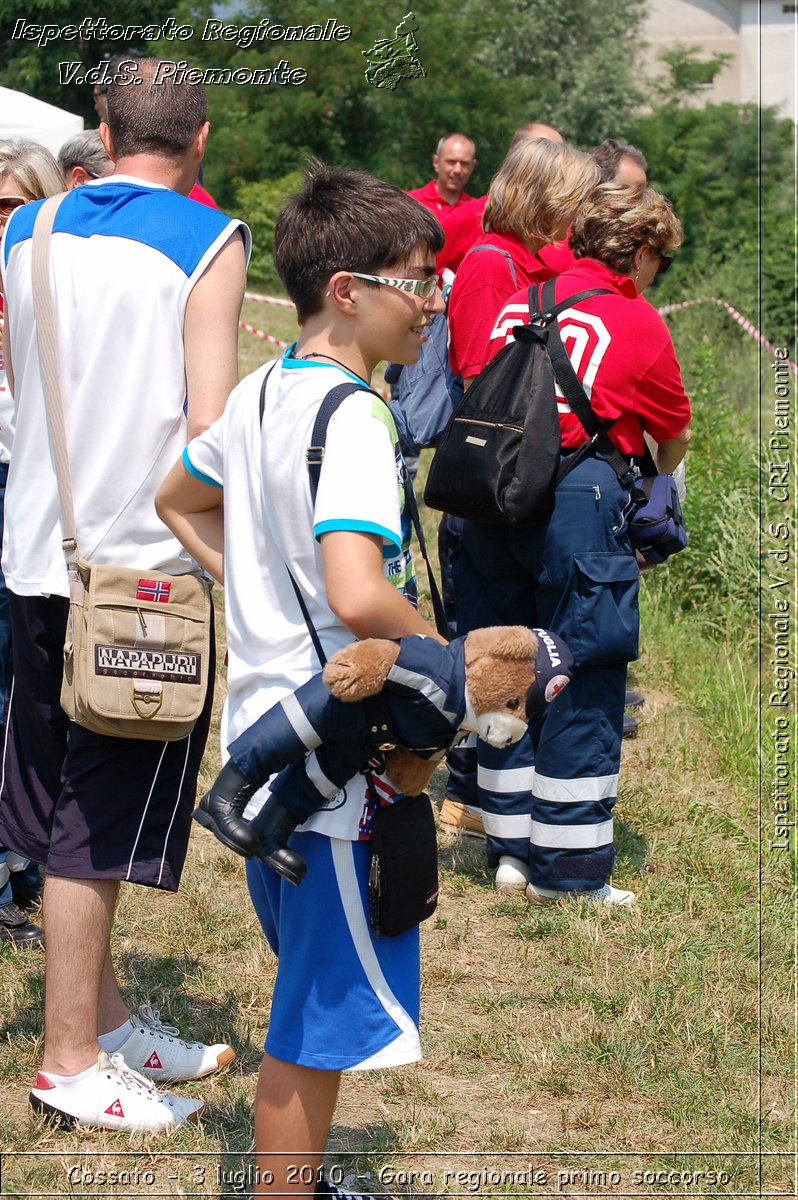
[[28, 172], [547, 801], [531, 202]]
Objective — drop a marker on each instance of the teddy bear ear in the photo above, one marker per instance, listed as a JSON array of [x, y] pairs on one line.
[[504, 641], [360, 670]]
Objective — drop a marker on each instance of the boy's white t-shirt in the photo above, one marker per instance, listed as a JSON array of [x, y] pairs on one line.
[[270, 524]]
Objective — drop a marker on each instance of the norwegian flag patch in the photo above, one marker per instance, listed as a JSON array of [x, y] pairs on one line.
[[154, 1063], [115, 1109], [153, 589]]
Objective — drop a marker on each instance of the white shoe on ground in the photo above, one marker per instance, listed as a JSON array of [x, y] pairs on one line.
[[340, 1191], [113, 1097], [157, 1050], [512, 874], [603, 895]]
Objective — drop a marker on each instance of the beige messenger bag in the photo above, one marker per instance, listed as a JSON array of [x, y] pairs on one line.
[[137, 648]]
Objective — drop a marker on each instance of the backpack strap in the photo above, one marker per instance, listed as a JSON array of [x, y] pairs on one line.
[[314, 457], [497, 250], [544, 308]]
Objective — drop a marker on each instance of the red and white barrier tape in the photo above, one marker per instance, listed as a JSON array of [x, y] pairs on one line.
[[742, 321], [268, 299], [267, 337], [273, 341]]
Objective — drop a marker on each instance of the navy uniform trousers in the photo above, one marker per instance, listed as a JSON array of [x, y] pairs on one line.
[[548, 799]]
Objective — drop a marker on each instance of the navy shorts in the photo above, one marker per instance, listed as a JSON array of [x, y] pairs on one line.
[[86, 805]]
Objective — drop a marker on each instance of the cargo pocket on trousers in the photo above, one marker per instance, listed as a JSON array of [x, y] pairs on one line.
[[604, 620]]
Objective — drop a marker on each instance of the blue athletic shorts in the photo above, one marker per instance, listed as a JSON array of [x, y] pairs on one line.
[[343, 1000]]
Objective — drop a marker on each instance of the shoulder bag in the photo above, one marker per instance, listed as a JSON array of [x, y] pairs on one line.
[[136, 654]]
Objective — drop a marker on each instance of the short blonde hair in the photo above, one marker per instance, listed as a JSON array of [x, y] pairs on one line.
[[537, 189], [32, 167], [617, 219]]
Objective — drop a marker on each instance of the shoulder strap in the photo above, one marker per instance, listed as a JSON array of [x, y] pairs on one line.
[[497, 250], [570, 385], [47, 339], [314, 457]]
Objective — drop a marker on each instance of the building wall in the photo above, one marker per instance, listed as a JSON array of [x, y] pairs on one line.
[[731, 27], [775, 47]]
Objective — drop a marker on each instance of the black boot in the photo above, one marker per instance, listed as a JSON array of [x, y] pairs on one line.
[[274, 825], [221, 810]]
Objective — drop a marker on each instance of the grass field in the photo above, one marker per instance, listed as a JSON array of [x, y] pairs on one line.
[[568, 1051]]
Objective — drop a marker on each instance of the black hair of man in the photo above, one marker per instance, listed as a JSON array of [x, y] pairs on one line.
[[345, 220], [161, 115], [609, 154]]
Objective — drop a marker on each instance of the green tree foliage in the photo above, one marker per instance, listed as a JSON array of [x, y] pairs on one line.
[[489, 68], [727, 170], [260, 204], [29, 67]]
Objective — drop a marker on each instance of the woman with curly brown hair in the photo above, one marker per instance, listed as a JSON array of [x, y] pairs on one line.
[[547, 802]]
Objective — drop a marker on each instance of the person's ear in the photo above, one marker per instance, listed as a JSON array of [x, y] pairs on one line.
[[435, 163], [76, 177], [105, 138], [340, 291], [202, 139], [640, 254]]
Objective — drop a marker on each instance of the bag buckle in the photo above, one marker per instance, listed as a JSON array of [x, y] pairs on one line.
[[144, 696]]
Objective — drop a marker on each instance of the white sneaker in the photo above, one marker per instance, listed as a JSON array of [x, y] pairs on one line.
[[114, 1098], [158, 1051], [603, 895], [512, 874]]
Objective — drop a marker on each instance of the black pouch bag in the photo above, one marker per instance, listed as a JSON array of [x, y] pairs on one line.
[[403, 879]]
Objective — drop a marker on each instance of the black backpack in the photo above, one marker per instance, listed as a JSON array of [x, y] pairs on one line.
[[499, 459]]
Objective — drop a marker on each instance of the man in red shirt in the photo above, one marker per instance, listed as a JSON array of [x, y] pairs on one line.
[[453, 163], [463, 227]]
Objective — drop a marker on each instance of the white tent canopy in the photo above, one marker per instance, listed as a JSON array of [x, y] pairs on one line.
[[24, 116]]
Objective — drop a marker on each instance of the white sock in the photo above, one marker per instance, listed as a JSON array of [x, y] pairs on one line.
[[68, 1081], [115, 1039]]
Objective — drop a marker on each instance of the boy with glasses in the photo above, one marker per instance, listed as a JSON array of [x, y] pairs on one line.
[[357, 258]]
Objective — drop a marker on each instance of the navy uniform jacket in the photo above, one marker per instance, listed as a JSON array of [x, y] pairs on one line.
[[318, 743]]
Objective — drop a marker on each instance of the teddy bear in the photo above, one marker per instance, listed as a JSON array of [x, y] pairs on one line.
[[390, 707]]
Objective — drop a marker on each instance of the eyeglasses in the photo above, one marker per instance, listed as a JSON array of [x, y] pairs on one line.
[[665, 261], [424, 288], [9, 203]]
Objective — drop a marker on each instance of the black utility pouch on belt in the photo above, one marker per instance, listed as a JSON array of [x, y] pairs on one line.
[[403, 880]]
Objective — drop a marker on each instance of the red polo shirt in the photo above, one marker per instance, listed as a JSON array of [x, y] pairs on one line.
[[462, 228], [430, 197], [481, 287], [622, 353]]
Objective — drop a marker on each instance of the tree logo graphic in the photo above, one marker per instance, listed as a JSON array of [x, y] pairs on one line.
[[393, 59]]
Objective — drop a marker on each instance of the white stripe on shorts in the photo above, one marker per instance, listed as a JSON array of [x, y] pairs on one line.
[[406, 1047], [174, 810], [571, 837], [144, 813]]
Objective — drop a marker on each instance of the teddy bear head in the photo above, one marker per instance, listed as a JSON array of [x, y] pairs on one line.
[[511, 673]]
